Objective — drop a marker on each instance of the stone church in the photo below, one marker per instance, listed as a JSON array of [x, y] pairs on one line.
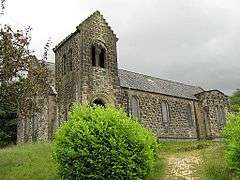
[[86, 71]]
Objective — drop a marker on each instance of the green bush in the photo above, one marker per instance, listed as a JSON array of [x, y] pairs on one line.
[[232, 142], [104, 143]]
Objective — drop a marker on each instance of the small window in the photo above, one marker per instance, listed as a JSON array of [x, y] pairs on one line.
[[102, 58], [165, 113], [189, 115], [93, 56], [134, 107]]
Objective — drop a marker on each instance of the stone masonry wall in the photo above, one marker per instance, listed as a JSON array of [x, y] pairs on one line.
[[86, 82], [151, 114], [40, 126], [209, 101]]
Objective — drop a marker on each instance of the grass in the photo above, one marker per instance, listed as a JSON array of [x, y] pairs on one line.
[[34, 162], [214, 165], [171, 147], [31, 161]]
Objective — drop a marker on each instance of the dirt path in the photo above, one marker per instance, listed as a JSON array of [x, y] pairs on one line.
[[183, 166]]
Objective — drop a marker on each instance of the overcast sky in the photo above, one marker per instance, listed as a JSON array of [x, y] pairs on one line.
[[192, 41]]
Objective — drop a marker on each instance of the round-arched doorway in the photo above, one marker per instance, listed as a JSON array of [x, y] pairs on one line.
[[98, 102]]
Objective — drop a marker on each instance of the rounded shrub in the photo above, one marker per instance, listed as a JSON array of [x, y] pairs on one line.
[[104, 143], [232, 143]]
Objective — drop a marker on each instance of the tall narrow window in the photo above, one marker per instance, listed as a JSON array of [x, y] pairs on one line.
[[223, 115], [64, 64], [189, 115], [102, 58], [220, 114], [135, 107], [165, 113], [93, 56], [70, 60]]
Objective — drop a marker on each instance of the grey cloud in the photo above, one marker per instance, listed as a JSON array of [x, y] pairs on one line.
[[192, 41]]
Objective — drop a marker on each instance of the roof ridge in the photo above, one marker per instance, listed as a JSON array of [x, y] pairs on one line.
[[172, 81]]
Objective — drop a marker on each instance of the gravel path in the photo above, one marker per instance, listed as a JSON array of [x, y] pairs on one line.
[[183, 166]]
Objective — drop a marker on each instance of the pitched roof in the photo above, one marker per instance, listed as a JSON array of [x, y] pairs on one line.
[[143, 82]]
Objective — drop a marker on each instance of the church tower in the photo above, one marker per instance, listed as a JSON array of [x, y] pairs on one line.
[[86, 66]]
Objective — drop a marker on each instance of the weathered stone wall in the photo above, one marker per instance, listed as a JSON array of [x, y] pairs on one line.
[[209, 101], [179, 125], [40, 125], [66, 80], [97, 81], [86, 82]]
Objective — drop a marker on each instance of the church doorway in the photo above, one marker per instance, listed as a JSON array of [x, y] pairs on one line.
[[98, 102]]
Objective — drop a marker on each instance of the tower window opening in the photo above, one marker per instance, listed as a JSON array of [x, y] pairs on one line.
[[102, 58], [93, 56]]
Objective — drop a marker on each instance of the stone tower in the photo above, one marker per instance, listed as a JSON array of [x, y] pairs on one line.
[[86, 66]]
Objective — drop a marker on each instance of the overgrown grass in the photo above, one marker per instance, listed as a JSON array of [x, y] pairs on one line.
[[27, 162], [158, 173], [171, 147], [34, 162], [214, 165]]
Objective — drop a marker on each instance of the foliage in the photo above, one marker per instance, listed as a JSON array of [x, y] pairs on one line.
[[22, 78], [104, 143], [235, 101], [232, 142], [214, 165], [8, 125], [2, 6], [28, 162]]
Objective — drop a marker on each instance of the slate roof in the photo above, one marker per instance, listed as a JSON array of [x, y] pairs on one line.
[[143, 82]]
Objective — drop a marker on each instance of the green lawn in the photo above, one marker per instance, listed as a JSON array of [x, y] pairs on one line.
[[27, 162], [33, 161]]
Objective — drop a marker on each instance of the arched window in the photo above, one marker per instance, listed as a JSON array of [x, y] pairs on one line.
[[165, 113], [98, 102], [93, 56], [189, 115], [135, 107], [98, 55]]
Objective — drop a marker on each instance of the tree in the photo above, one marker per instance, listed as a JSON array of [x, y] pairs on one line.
[[2, 6], [24, 80], [235, 101]]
